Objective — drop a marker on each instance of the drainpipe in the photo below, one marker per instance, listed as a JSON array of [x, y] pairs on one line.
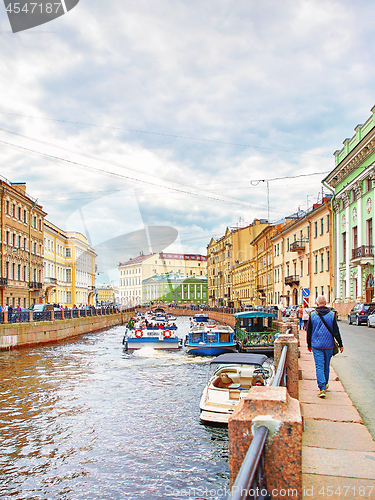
[[333, 239]]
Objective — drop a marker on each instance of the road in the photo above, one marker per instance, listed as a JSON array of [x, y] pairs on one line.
[[356, 369]]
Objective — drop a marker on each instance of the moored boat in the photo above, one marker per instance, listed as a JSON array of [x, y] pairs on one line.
[[255, 332], [232, 377], [201, 318], [210, 340]]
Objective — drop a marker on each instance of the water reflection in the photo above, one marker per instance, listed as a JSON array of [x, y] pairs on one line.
[[84, 419]]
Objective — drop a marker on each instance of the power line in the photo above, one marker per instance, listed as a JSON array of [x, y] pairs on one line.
[[114, 174], [226, 143]]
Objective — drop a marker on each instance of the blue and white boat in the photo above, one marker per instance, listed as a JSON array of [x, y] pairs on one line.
[[201, 318], [136, 338], [210, 340]]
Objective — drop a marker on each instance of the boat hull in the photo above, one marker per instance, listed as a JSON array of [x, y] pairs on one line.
[[210, 350], [131, 344]]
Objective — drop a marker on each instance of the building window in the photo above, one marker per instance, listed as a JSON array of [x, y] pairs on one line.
[[316, 264], [321, 262], [344, 247], [321, 226], [327, 223], [287, 245], [316, 229], [369, 232], [328, 263], [355, 237]]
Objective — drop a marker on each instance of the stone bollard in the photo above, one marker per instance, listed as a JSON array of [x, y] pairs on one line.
[[281, 414], [30, 316], [291, 361], [53, 315]]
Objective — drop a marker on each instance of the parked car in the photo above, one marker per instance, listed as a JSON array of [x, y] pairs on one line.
[[371, 319], [43, 307], [289, 310], [360, 313]]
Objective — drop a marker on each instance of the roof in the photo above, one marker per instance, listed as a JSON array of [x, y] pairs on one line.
[[240, 359], [254, 314]]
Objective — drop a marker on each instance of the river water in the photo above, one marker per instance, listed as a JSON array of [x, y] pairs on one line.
[[82, 419]]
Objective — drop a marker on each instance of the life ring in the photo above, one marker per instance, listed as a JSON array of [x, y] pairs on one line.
[[167, 334], [138, 334]]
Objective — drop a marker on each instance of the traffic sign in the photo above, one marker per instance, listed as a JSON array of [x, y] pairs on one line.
[[306, 292]]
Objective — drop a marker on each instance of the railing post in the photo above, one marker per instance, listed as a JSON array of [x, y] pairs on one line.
[[281, 414], [291, 365], [52, 315]]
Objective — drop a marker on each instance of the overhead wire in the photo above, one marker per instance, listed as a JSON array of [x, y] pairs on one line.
[[111, 127]]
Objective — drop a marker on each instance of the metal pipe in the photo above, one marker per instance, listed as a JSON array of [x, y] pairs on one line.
[[281, 368], [246, 474]]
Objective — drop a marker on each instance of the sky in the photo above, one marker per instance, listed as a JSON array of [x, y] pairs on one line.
[[125, 117]]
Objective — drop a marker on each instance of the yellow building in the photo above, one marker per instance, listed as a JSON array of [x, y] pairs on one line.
[[302, 254], [69, 267], [261, 283], [57, 266], [223, 256], [105, 295], [82, 257], [21, 257]]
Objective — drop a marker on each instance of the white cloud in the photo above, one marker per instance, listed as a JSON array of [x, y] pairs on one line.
[[285, 77]]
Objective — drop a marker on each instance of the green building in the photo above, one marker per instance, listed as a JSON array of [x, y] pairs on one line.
[[352, 181], [176, 288]]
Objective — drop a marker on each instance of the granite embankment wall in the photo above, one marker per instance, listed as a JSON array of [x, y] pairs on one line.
[[15, 335]]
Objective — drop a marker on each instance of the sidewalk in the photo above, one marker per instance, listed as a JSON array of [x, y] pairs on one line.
[[338, 452]]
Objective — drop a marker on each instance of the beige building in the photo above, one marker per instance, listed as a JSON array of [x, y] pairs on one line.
[[302, 257], [82, 257], [105, 295], [69, 267], [134, 271], [21, 264], [223, 256]]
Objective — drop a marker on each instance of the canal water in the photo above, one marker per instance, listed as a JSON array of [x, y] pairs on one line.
[[82, 419]]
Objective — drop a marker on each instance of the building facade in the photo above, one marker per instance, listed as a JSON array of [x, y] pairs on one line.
[[353, 180], [225, 254], [69, 267], [302, 258], [133, 272], [21, 264], [105, 295], [175, 288]]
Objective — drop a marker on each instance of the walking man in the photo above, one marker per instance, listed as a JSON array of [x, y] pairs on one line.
[[321, 328]]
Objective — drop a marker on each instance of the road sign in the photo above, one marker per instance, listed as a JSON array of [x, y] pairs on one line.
[[306, 292], [305, 302]]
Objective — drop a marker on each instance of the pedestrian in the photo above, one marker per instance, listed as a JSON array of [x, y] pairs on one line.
[[321, 328], [305, 317], [299, 315]]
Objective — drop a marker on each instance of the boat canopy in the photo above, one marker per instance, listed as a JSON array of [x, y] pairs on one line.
[[253, 314], [240, 359]]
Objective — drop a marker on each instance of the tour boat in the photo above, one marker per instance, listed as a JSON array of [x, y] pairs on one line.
[[136, 338], [232, 376], [201, 317], [255, 332], [210, 340]]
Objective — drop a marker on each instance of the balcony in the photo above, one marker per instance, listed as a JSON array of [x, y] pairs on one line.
[[35, 285], [3, 281], [363, 255], [297, 245], [51, 280], [291, 280]]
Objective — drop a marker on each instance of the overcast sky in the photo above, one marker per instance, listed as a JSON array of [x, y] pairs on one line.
[[165, 111]]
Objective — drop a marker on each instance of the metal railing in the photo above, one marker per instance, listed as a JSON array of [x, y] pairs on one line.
[[280, 376], [23, 316], [363, 251], [250, 482], [294, 278], [297, 245]]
